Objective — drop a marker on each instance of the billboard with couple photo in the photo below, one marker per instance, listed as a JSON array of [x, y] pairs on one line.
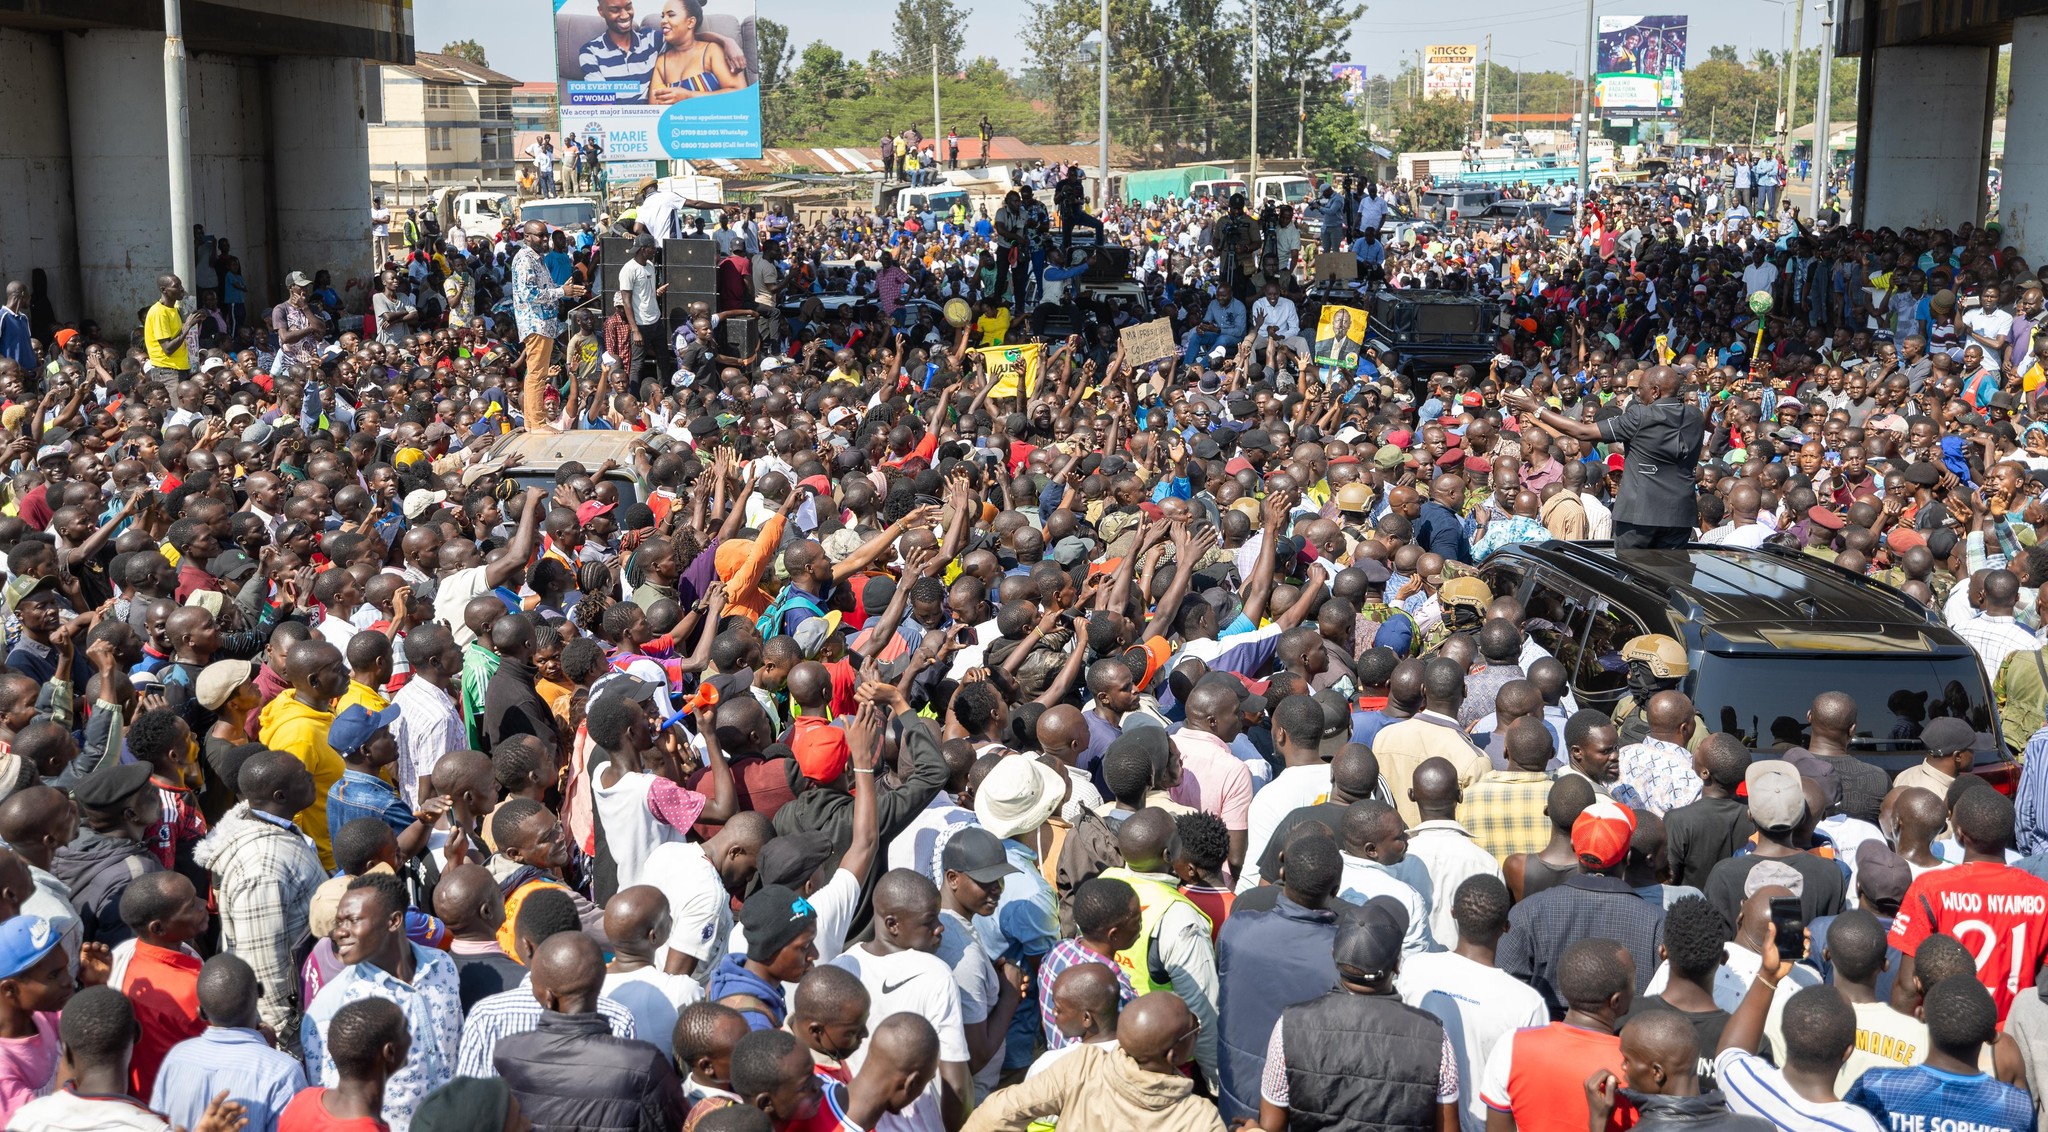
[[660, 79]]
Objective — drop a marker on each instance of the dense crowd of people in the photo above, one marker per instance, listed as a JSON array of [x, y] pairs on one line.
[[866, 744]]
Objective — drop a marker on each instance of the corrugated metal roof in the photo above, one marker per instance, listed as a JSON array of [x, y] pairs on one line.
[[435, 67]]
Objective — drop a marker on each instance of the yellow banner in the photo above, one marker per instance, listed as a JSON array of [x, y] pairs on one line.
[[1014, 368]]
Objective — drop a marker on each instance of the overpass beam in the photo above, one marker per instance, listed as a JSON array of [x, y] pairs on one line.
[[2025, 166], [1929, 136]]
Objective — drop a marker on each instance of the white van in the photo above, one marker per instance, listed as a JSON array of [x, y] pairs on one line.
[[1218, 191]]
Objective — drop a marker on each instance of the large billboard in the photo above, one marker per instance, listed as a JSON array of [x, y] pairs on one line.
[[1350, 80], [1640, 66], [660, 79], [1448, 70]]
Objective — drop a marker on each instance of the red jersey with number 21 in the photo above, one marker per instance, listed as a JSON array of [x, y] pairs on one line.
[[1996, 911]]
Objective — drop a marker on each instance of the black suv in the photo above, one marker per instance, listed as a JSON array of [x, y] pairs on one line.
[[1767, 630]]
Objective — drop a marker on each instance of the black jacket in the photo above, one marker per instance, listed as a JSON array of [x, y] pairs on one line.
[[571, 1073], [512, 706], [98, 870], [828, 810], [1705, 1113]]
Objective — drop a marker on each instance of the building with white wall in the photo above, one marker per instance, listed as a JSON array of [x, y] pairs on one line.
[[279, 143]]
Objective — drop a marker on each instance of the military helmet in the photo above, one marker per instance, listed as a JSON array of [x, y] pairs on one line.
[[1465, 591], [1354, 497], [1664, 655], [1249, 508]]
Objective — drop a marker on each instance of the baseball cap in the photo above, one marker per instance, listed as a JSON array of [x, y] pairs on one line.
[[218, 681], [821, 753], [419, 502], [1880, 873], [111, 785], [1369, 940], [811, 636], [1947, 735], [24, 941], [774, 916], [298, 279], [352, 728], [1773, 874], [792, 858], [1018, 796], [977, 852], [19, 589], [1776, 800], [590, 509], [1256, 438], [1601, 834]]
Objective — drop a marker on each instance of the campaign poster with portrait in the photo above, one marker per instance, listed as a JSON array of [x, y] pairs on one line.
[[1639, 69], [660, 79], [1350, 79], [1340, 333]]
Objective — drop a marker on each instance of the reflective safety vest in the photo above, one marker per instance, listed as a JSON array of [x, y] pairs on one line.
[[1140, 961]]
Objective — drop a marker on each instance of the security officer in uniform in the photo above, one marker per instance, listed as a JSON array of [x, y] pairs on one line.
[[1656, 663], [1354, 504], [1464, 600]]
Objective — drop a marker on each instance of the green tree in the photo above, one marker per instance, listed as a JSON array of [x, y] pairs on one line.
[[1434, 124], [468, 49], [776, 56], [1298, 44], [924, 24], [1725, 52]]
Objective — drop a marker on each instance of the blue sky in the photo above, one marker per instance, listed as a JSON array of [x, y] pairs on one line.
[[515, 33]]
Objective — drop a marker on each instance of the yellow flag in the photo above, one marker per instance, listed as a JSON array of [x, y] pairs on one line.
[[1014, 368]]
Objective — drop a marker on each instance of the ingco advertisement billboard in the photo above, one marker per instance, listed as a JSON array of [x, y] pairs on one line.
[[1449, 70]]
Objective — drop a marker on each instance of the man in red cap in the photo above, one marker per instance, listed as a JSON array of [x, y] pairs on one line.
[[1596, 902]]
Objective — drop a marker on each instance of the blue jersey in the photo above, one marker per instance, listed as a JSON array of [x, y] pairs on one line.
[[1919, 1098]]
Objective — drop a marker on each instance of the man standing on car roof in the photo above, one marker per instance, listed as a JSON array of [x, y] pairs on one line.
[[1662, 435]]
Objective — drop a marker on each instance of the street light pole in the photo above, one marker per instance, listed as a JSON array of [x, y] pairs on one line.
[[1792, 69], [1254, 178], [1585, 126], [178, 144], [1102, 118], [1486, 92], [1823, 130]]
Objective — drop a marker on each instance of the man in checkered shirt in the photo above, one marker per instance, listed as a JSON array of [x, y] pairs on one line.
[[1504, 811]]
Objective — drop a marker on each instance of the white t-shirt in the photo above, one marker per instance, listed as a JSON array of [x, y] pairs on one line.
[[1478, 1005], [397, 333], [1993, 323], [1759, 277], [1364, 880], [975, 974], [914, 981], [699, 908], [655, 997], [1290, 790], [918, 847], [1755, 1087], [380, 222], [637, 283], [454, 592]]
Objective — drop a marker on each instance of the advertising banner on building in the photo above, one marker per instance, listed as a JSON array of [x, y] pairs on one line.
[[1640, 66], [1350, 80], [660, 79], [1449, 70]]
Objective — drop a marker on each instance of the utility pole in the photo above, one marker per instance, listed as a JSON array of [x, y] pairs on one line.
[[1585, 127], [178, 145], [1823, 130], [1486, 93], [937, 131], [1792, 69], [1102, 117], [1254, 176]]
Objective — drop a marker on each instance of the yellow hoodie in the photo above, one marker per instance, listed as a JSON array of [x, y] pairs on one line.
[[286, 724]]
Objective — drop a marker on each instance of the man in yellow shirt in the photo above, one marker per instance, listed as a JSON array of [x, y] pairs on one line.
[[297, 722], [164, 328]]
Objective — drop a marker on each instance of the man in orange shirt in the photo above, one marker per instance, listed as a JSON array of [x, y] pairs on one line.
[[1535, 1080], [157, 971]]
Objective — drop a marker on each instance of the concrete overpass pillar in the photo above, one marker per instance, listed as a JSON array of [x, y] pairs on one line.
[[2025, 166], [1929, 136], [119, 172], [321, 156]]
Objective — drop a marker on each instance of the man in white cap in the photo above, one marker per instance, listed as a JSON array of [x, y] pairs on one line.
[[1014, 802]]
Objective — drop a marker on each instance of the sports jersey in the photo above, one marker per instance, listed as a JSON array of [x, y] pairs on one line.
[[831, 1111], [2000, 913], [1924, 1099]]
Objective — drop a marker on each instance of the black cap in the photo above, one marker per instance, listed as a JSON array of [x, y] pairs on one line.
[[978, 853], [792, 858], [1369, 941], [1256, 438], [773, 917], [109, 786], [1947, 735], [1922, 475]]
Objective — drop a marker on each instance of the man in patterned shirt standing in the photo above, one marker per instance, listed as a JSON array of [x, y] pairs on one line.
[[535, 302], [1658, 774]]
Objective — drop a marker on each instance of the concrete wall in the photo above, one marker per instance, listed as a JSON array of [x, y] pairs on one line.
[[231, 167], [320, 149], [1926, 151], [37, 228], [2023, 199]]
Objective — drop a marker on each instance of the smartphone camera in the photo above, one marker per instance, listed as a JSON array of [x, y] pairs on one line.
[[1788, 925]]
